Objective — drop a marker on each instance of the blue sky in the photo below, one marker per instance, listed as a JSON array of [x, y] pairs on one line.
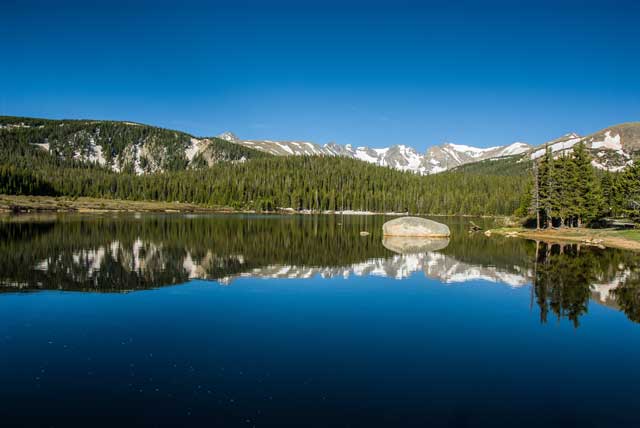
[[365, 73]]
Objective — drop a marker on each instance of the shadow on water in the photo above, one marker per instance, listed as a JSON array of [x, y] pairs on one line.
[[128, 253]]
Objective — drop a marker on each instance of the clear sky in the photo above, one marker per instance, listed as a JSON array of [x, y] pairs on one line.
[[365, 73]]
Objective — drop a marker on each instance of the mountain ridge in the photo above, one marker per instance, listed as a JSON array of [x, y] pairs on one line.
[[399, 156], [613, 148], [130, 146]]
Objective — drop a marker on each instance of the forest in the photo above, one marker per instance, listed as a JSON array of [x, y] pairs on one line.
[[567, 191], [267, 184]]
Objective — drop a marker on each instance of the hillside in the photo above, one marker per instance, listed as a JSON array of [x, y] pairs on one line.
[[613, 148], [115, 146]]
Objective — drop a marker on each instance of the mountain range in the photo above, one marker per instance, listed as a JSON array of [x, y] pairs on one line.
[[402, 157], [613, 149], [134, 147]]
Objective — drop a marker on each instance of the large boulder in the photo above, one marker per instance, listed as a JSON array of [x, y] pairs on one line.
[[413, 245], [415, 226]]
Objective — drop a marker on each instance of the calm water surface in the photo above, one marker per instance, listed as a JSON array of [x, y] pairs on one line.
[[301, 321]]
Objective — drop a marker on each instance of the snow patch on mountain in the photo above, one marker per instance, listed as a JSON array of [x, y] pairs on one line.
[[561, 144], [91, 153], [609, 142], [192, 150], [516, 148]]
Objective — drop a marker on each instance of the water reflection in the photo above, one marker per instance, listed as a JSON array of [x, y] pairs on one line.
[[566, 276], [411, 245], [117, 254]]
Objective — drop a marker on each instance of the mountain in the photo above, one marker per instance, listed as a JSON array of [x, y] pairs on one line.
[[117, 146], [612, 148], [400, 157], [448, 156]]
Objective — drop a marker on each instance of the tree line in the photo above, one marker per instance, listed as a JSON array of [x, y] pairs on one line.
[[298, 182], [567, 191]]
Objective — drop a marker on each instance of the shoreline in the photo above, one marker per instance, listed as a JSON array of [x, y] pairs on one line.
[[19, 204], [25, 204], [625, 239]]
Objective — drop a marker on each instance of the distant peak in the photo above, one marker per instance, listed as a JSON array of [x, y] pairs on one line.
[[229, 136]]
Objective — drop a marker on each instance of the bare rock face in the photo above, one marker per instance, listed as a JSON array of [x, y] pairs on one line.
[[416, 227], [413, 245]]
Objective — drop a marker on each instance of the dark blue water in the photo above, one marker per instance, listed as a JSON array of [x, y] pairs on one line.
[[428, 347]]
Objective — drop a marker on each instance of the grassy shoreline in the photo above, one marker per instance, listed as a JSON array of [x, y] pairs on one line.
[[627, 239], [50, 204]]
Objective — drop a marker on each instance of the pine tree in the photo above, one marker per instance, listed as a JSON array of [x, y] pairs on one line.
[[588, 199], [631, 188], [545, 166]]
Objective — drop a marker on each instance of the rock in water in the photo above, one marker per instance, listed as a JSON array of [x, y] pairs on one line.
[[413, 245], [415, 226]]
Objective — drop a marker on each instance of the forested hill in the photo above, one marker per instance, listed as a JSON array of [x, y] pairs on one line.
[[300, 183], [116, 146]]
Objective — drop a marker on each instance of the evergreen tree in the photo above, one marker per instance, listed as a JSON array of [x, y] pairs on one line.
[[588, 199]]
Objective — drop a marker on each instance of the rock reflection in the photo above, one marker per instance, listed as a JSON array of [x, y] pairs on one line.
[[413, 245]]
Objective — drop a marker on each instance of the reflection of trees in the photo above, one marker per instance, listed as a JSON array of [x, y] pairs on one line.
[[627, 296], [565, 275], [562, 281]]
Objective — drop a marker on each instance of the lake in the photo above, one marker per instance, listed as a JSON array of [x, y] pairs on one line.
[[247, 320]]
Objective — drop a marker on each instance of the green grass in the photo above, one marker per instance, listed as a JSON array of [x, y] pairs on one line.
[[633, 234]]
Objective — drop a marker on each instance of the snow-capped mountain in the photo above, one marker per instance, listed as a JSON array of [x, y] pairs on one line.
[[401, 157], [447, 156], [612, 148]]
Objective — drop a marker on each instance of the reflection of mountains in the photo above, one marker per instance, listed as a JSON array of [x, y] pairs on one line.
[[105, 254], [117, 266], [434, 265], [127, 253]]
